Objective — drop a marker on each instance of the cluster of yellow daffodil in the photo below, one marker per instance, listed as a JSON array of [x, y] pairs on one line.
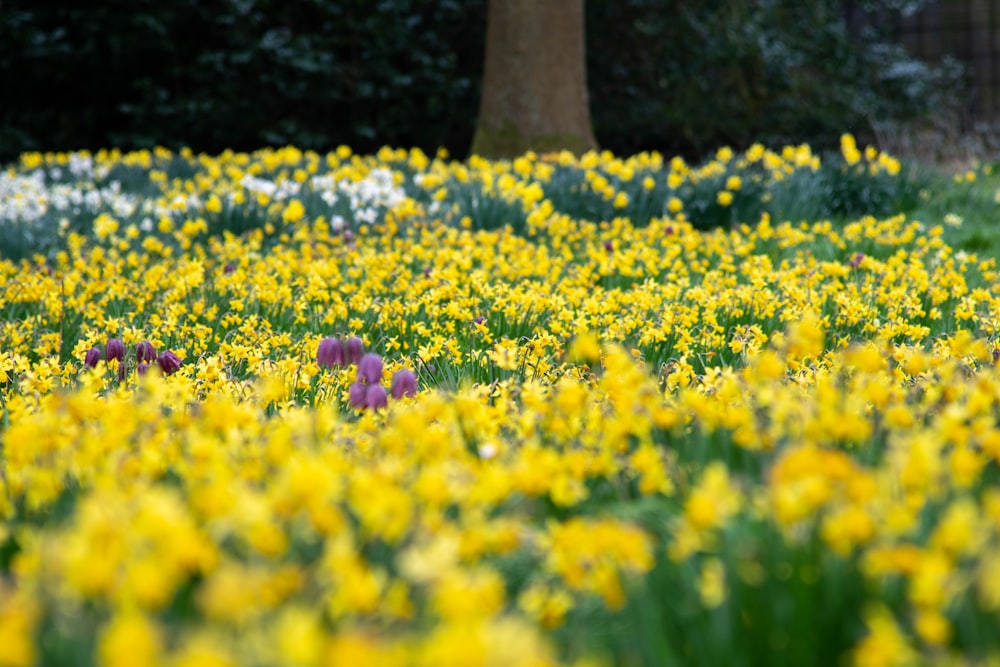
[[706, 434]]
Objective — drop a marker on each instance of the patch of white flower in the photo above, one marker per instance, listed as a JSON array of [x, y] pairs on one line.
[[276, 191], [365, 199], [28, 198]]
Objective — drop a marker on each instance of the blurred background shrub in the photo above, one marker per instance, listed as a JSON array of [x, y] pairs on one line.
[[678, 77]]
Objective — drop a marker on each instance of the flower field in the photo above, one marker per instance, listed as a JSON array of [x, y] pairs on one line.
[[293, 409]]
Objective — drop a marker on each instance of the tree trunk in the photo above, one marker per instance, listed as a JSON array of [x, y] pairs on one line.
[[534, 94]]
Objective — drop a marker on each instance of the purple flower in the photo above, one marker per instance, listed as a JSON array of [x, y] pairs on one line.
[[856, 260], [355, 349], [92, 357], [356, 395], [168, 362], [229, 268], [145, 352], [375, 397], [479, 320], [115, 349], [404, 383], [330, 353], [370, 369], [142, 368], [609, 246]]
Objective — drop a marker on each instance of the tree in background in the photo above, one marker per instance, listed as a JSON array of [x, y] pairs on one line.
[[534, 89]]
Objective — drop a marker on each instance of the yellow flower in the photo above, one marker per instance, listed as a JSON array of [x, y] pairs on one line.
[[932, 627], [203, 651], [847, 528], [129, 640], [464, 595], [294, 212], [298, 638], [585, 348], [724, 197], [849, 149], [18, 618], [714, 500], [885, 645], [213, 204], [712, 583], [549, 606]]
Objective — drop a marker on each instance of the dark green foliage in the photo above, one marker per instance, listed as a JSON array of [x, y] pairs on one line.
[[688, 77], [838, 191], [238, 74], [674, 76]]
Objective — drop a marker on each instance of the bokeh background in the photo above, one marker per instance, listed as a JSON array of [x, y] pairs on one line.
[[669, 75]]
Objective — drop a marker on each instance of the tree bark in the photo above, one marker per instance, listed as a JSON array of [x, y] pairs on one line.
[[534, 94]]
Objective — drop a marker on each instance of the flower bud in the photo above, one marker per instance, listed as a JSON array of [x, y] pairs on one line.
[[376, 397], [356, 395], [92, 357], [145, 353], [370, 369], [355, 349], [404, 383], [115, 349], [330, 353], [168, 362]]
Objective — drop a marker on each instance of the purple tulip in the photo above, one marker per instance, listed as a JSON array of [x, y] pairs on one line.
[[356, 395], [355, 349], [168, 362], [404, 383], [370, 369], [376, 397], [115, 349], [92, 357], [145, 353], [330, 353], [856, 260]]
